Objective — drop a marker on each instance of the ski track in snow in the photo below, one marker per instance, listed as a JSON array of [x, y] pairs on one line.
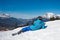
[[52, 32]]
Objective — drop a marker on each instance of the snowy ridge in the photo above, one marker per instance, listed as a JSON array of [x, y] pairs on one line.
[[52, 32], [5, 15], [58, 16], [50, 15]]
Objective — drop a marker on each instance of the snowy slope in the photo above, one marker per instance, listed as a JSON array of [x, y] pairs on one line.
[[52, 32]]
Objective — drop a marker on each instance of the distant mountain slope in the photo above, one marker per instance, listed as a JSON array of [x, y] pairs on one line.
[[9, 23], [51, 16]]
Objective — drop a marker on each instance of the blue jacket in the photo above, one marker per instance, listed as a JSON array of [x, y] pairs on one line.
[[38, 24]]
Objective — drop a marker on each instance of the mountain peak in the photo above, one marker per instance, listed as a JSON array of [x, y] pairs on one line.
[[5, 15], [49, 15]]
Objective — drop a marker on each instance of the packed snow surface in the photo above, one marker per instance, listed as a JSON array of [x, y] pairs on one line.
[[52, 32]]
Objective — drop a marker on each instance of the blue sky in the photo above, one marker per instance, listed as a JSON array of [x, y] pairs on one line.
[[29, 8]]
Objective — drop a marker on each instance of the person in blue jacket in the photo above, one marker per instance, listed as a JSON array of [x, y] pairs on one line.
[[37, 24]]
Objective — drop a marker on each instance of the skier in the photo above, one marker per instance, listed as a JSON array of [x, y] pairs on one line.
[[37, 24]]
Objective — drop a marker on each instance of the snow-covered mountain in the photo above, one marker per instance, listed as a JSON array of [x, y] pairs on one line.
[[52, 32], [5, 15], [58, 16], [50, 15]]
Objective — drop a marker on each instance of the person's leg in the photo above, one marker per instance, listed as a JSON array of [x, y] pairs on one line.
[[22, 30]]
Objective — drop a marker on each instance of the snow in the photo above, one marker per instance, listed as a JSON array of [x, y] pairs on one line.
[[52, 32]]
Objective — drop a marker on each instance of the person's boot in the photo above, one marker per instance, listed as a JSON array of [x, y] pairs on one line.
[[20, 32], [17, 33], [14, 34]]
